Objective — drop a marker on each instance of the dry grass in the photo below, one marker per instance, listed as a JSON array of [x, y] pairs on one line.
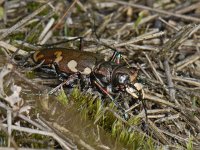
[[161, 37]]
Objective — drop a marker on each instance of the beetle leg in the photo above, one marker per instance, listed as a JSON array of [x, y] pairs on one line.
[[81, 44], [141, 97], [138, 87], [68, 81], [85, 82], [106, 92], [100, 85], [61, 76], [116, 57]]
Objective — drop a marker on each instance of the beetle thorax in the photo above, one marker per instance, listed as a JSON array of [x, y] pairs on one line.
[[115, 74]]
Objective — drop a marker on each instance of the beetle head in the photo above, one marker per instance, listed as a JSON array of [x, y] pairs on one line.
[[125, 79], [124, 76]]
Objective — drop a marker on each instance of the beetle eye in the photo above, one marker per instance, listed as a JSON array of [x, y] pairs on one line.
[[122, 78]]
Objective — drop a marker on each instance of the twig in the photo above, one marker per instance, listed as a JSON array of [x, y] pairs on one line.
[[173, 27], [12, 48], [66, 12], [187, 18], [156, 99], [190, 81], [188, 8], [187, 61], [134, 40], [14, 144], [156, 116], [170, 83], [44, 32], [140, 38], [157, 111], [143, 47], [175, 136], [35, 131], [158, 133], [31, 122], [9, 123], [60, 129], [143, 70], [168, 118], [35, 86], [23, 21], [154, 70]]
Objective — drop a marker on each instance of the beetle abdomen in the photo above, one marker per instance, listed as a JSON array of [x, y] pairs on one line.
[[67, 60]]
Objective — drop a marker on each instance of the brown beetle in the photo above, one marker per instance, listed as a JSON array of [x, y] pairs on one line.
[[109, 76], [67, 60]]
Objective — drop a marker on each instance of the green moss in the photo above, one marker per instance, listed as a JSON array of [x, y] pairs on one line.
[[18, 36], [30, 74], [137, 22], [107, 117], [62, 97], [3, 139], [33, 37], [31, 6], [190, 144], [1, 13], [40, 141], [195, 102], [134, 120]]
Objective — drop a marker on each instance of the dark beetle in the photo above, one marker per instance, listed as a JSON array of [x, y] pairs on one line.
[[109, 76]]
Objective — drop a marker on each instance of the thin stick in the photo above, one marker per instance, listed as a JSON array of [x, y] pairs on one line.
[[34, 131], [187, 80], [9, 123], [140, 38], [31, 121], [23, 21], [170, 83], [67, 11], [188, 8], [12, 48], [158, 100], [46, 29], [187, 61], [171, 26], [188, 18], [153, 68], [35, 86]]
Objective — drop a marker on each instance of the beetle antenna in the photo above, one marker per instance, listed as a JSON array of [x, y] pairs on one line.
[[65, 41], [116, 53], [93, 23]]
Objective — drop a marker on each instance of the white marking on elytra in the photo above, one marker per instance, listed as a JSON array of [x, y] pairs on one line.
[[58, 55], [72, 65], [87, 71], [36, 57]]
